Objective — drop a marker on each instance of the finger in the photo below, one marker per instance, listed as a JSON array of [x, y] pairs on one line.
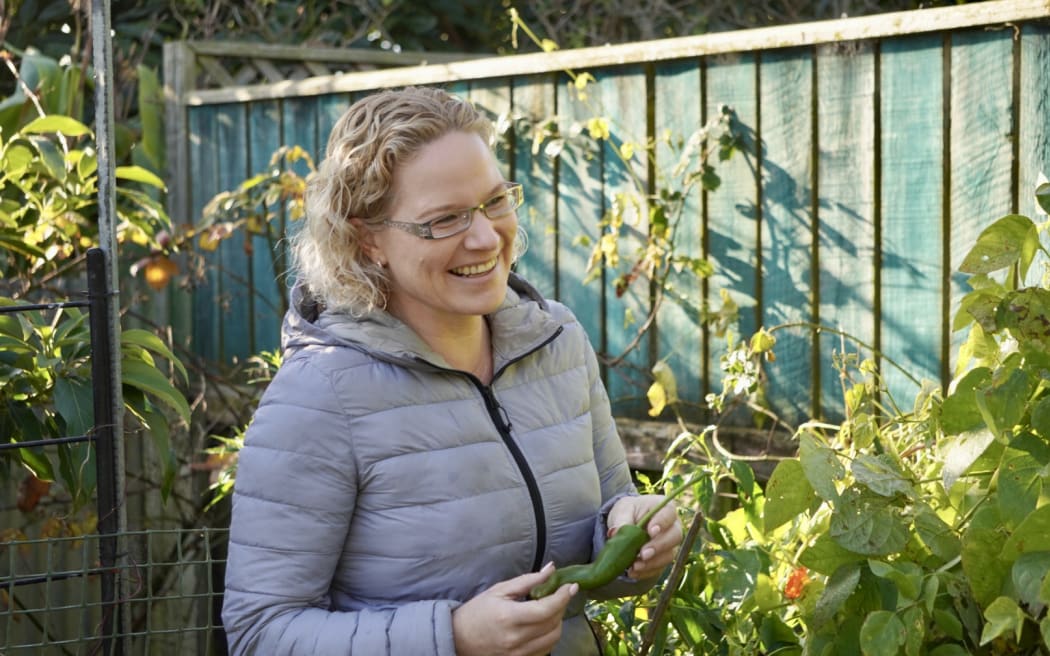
[[554, 605], [520, 586]]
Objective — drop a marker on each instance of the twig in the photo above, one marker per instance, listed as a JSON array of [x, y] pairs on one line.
[[673, 579]]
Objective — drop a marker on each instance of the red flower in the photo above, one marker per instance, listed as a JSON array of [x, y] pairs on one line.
[[796, 583]]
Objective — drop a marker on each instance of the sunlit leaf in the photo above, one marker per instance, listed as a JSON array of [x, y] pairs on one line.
[[148, 379], [139, 174], [838, 589], [57, 124], [1003, 615], [788, 494], [868, 524], [882, 634], [821, 465], [999, 245]]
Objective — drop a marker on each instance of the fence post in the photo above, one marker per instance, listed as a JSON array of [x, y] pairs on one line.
[[102, 51], [107, 491]]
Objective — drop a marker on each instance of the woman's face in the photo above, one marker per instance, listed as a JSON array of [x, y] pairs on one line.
[[442, 282]]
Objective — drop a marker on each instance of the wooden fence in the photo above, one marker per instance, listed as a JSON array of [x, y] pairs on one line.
[[878, 149]]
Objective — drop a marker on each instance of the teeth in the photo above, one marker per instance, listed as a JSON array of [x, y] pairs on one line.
[[475, 269]]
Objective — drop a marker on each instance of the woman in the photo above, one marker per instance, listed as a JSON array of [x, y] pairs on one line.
[[437, 435]]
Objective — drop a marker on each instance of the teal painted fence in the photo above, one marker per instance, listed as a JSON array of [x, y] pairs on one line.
[[870, 165]]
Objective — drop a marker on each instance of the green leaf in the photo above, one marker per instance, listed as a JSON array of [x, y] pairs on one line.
[[914, 631], [157, 424], [880, 474], [838, 589], [788, 494], [1044, 628], [1026, 314], [1041, 417], [868, 524], [1002, 615], [55, 123], [821, 465], [936, 534], [74, 403], [882, 634], [1042, 196], [825, 555], [984, 571], [1031, 535], [962, 452], [949, 650], [959, 411], [51, 157], [139, 174], [149, 341], [1044, 590], [1020, 486], [1002, 401], [76, 462], [907, 576], [150, 380], [1028, 574], [999, 245], [766, 596], [949, 623], [36, 461]]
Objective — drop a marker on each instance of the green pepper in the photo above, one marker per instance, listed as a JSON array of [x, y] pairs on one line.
[[613, 560]]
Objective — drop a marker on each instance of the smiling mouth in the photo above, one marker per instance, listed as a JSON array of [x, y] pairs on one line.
[[476, 269]]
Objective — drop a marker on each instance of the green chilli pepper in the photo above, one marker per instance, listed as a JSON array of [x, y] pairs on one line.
[[613, 560]]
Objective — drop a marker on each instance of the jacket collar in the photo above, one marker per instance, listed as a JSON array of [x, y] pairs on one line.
[[520, 325]]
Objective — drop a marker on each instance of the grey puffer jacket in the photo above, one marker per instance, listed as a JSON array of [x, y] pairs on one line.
[[379, 489]]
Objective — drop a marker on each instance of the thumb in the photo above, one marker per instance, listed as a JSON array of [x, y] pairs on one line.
[[620, 514]]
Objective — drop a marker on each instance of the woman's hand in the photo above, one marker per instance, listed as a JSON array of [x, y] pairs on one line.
[[498, 622], [665, 532]]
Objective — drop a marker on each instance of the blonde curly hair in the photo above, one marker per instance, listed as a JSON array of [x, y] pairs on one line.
[[369, 141]]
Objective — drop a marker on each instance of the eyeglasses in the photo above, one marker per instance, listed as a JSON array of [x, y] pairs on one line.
[[447, 225]]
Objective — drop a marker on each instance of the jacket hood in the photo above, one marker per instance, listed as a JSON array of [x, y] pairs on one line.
[[521, 324]]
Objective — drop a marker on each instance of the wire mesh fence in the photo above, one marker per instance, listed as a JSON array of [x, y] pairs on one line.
[[50, 601]]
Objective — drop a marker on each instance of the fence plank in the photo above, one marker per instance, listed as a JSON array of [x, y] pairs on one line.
[[912, 234], [846, 184], [732, 210], [492, 96], [204, 162], [534, 102], [623, 102], [580, 208], [786, 130], [1033, 137], [981, 147], [234, 280], [265, 307], [677, 117]]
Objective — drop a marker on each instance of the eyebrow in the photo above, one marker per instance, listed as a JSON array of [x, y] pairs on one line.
[[451, 207]]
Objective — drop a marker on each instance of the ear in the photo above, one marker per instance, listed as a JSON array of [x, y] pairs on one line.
[[367, 237]]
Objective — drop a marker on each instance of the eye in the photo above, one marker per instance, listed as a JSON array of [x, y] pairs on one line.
[[498, 202], [446, 221]]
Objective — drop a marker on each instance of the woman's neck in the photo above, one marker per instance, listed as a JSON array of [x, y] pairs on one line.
[[466, 345]]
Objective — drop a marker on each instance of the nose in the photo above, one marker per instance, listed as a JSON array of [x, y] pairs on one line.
[[482, 233]]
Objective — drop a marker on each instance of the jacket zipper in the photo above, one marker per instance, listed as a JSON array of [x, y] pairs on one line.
[[502, 421]]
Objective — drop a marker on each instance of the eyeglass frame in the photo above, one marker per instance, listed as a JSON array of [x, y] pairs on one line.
[[424, 230]]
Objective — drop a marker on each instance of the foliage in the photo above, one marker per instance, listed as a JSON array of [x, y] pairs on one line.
[[48, 220], [896, 532]]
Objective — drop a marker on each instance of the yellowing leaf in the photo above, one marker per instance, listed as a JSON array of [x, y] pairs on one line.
[[657, 399], [598, 128]]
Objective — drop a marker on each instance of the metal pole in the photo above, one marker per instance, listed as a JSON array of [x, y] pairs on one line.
[[102, 51]]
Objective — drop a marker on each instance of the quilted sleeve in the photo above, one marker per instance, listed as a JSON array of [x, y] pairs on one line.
[[293, 502], [615, 475]]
